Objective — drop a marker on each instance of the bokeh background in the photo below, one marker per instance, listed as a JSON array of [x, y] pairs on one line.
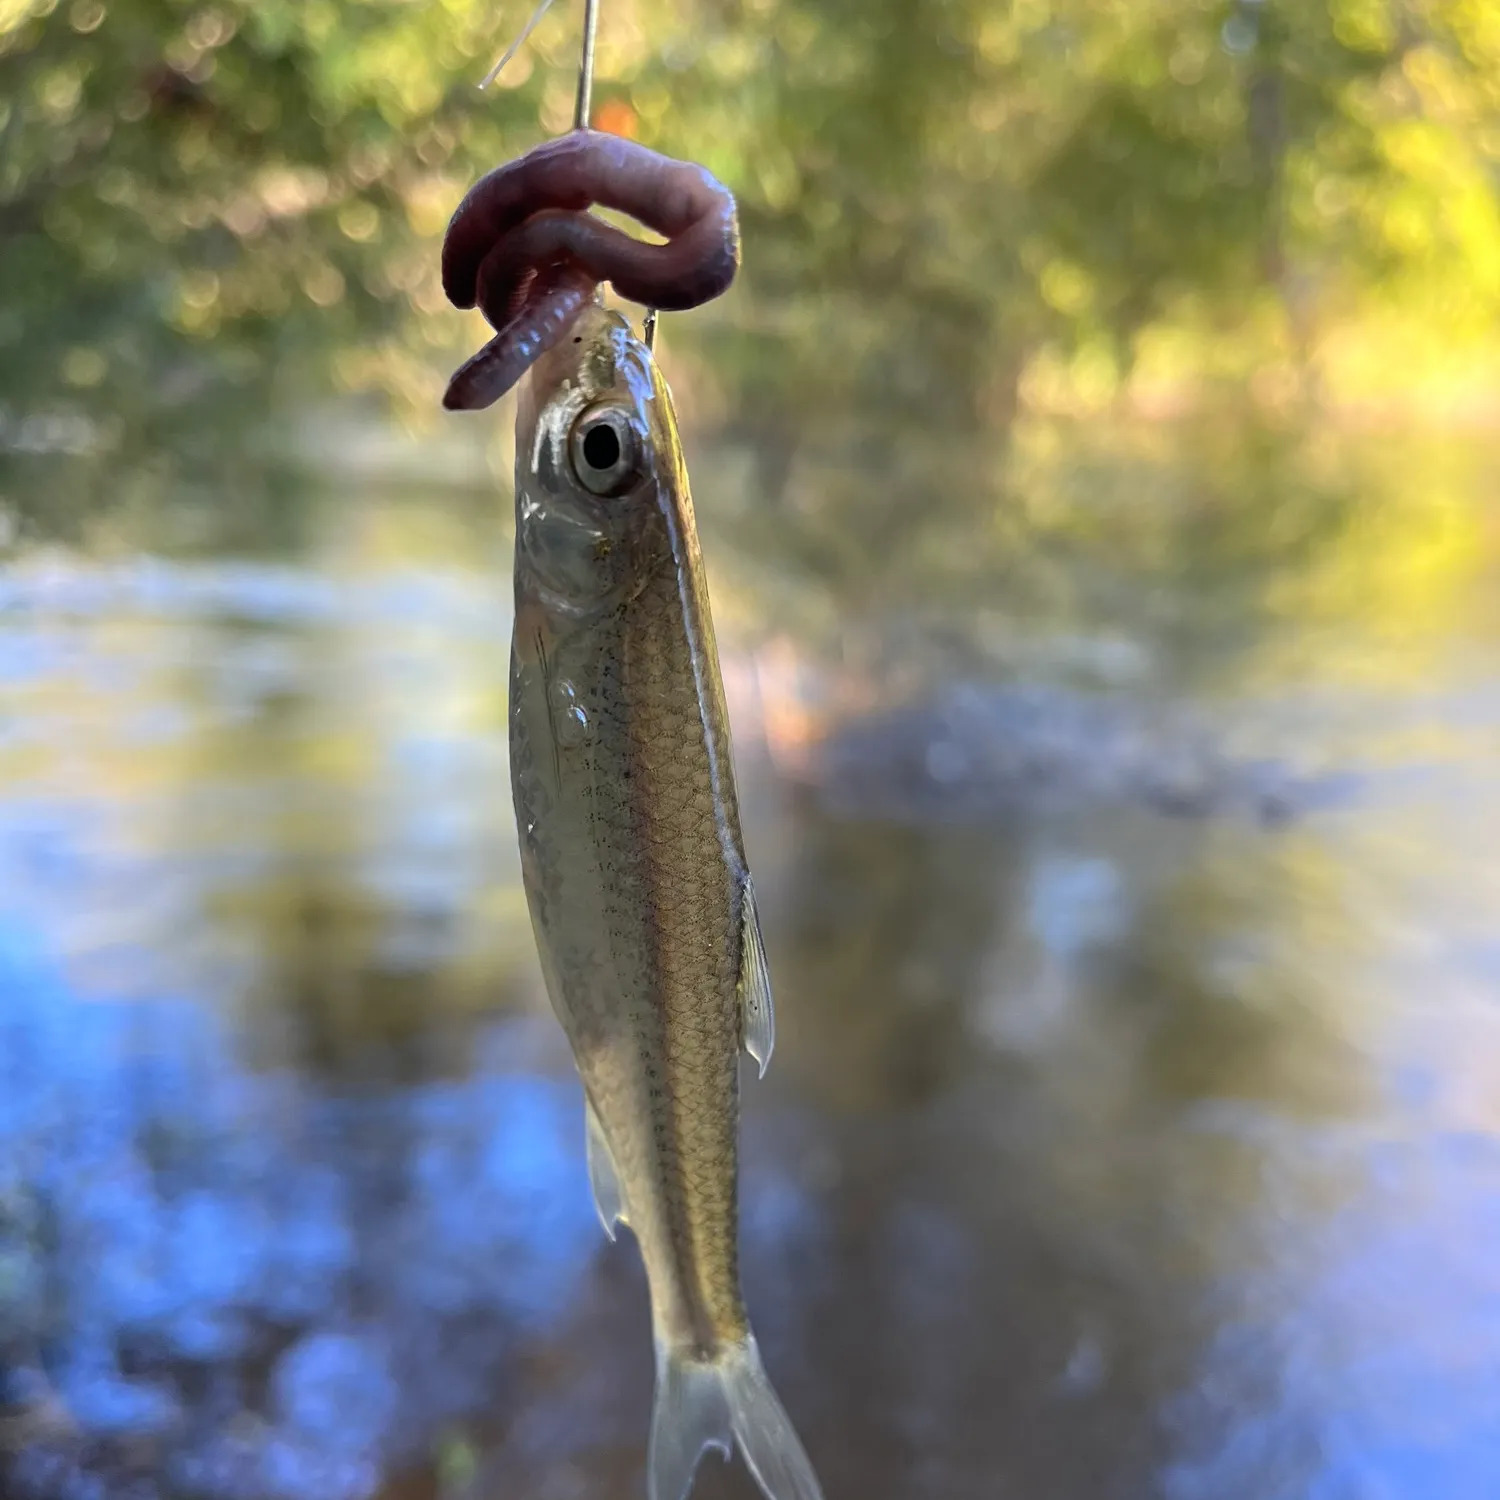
[[1096, 463]]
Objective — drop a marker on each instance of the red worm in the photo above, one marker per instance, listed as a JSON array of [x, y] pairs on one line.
[[524, 249]]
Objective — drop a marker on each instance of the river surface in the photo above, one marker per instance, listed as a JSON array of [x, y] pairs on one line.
[[1134, 1128]]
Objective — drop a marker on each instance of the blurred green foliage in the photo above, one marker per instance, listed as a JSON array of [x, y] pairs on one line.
[[955, 212]]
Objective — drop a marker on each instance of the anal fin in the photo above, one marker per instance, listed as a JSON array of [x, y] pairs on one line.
[[757, 1014], [609, 1201]]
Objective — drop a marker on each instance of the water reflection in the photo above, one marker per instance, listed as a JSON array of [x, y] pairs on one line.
[[1110, 1149]]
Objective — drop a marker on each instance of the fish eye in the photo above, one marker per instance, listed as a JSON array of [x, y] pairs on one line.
[[605, 451]]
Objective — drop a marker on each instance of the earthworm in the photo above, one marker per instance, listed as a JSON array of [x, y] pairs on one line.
[[524, 249]]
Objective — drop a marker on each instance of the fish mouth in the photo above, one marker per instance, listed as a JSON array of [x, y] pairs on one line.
[[588, 358]]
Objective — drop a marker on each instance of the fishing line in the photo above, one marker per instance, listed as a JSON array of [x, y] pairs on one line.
[[516, 45], [582, 106]]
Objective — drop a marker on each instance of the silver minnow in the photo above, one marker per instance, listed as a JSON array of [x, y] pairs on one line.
[[635, 872]]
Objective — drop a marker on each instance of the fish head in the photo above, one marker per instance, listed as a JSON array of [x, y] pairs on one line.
[[596, 454]]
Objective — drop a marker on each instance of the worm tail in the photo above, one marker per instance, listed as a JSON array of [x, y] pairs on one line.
[[554, 300]]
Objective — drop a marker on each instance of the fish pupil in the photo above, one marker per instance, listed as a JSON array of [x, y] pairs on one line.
[[601, 446]]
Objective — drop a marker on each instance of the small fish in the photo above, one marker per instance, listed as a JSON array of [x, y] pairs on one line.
[[635, 872]]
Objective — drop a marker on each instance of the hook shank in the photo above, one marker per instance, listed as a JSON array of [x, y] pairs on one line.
[[584, 103]]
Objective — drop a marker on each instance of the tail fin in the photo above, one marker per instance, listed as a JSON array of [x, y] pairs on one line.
[[702, 1405], [691, 1415], [763, 1429]]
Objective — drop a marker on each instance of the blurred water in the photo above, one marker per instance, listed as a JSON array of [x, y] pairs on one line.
[[1133, 1128]]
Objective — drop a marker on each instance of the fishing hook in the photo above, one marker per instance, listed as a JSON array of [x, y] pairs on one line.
[[524, 249], [584, 103]]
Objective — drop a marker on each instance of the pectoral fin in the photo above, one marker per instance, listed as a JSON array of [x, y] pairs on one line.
[[605, 1181], [757, 1016]]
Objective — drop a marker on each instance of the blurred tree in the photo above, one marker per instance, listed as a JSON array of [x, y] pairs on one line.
[[203, 206], [951, 209]]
